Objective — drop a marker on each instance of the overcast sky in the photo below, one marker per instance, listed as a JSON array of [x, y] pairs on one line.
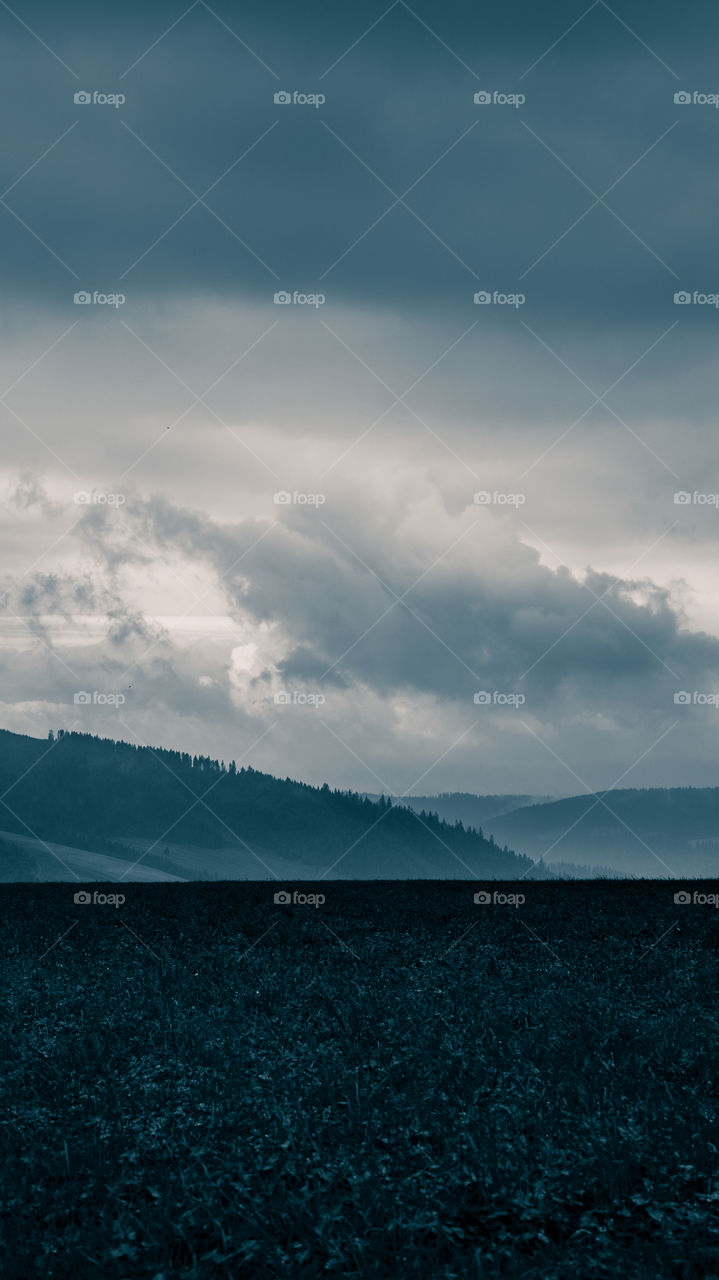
[[342, 635]]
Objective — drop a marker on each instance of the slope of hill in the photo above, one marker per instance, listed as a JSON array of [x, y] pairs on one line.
[[466, 807], [115, 799], [653, 832]]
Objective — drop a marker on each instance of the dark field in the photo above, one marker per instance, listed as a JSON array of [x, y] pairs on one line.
[[199, 1083]]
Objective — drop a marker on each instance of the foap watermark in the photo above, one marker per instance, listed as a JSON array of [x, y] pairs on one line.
[[483, 298], [696, 699], [283, 298], [285, 498], [283, 898], [685, 499], [85, 98], [296, 698], [96, 698], [83, 298], [497, 98], [97, 497], [83, 897], [685, 898], [498, 698], [496, 498], [685, 298], [695, 98], [489, 898], [295, 98]]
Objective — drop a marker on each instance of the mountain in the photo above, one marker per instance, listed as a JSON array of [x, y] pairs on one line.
[[93, 806], [652, 832], [463, 806]]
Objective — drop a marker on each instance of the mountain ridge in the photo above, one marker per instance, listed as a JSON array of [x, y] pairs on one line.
[[118, 798], [636, 830]]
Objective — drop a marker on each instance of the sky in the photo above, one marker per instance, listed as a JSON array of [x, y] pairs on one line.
[[359, 387]]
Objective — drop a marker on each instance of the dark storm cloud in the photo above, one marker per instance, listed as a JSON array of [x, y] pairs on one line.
[[482, 215], [487, 615]]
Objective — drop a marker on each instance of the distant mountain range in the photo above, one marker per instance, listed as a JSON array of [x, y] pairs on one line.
[[463, 806], [77, 805], [648, 833], [653, 832]]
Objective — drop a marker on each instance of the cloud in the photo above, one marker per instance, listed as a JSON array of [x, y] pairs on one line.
[[28, 494], [296, 190], [432, 612], [312, 607]]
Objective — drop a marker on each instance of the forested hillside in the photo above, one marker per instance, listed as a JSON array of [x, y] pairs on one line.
[[83, 790]]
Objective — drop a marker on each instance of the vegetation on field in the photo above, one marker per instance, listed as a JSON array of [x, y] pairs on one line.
[[200, 1083]]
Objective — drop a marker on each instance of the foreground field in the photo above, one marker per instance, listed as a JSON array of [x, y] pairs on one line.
[[397, 1082]]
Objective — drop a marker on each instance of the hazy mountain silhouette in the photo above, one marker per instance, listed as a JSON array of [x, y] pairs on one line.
[[652, 832], [93, 802], [464, 806]]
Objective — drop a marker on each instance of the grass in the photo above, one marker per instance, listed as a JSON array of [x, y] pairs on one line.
[[201, 1084]]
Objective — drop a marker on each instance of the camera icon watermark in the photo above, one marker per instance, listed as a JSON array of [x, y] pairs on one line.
[[84, 898], [83, 698], [498, 698], [685, 98], [684, 499], [683, 298], [83, 298], [283, 298], [296, 698], [83, 98], [285, 899], [487, 498], [285, 98], [85, 497], [285, 498], [486, 898], [497, 98], [696, 699], [685, 898], [483, 298]]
